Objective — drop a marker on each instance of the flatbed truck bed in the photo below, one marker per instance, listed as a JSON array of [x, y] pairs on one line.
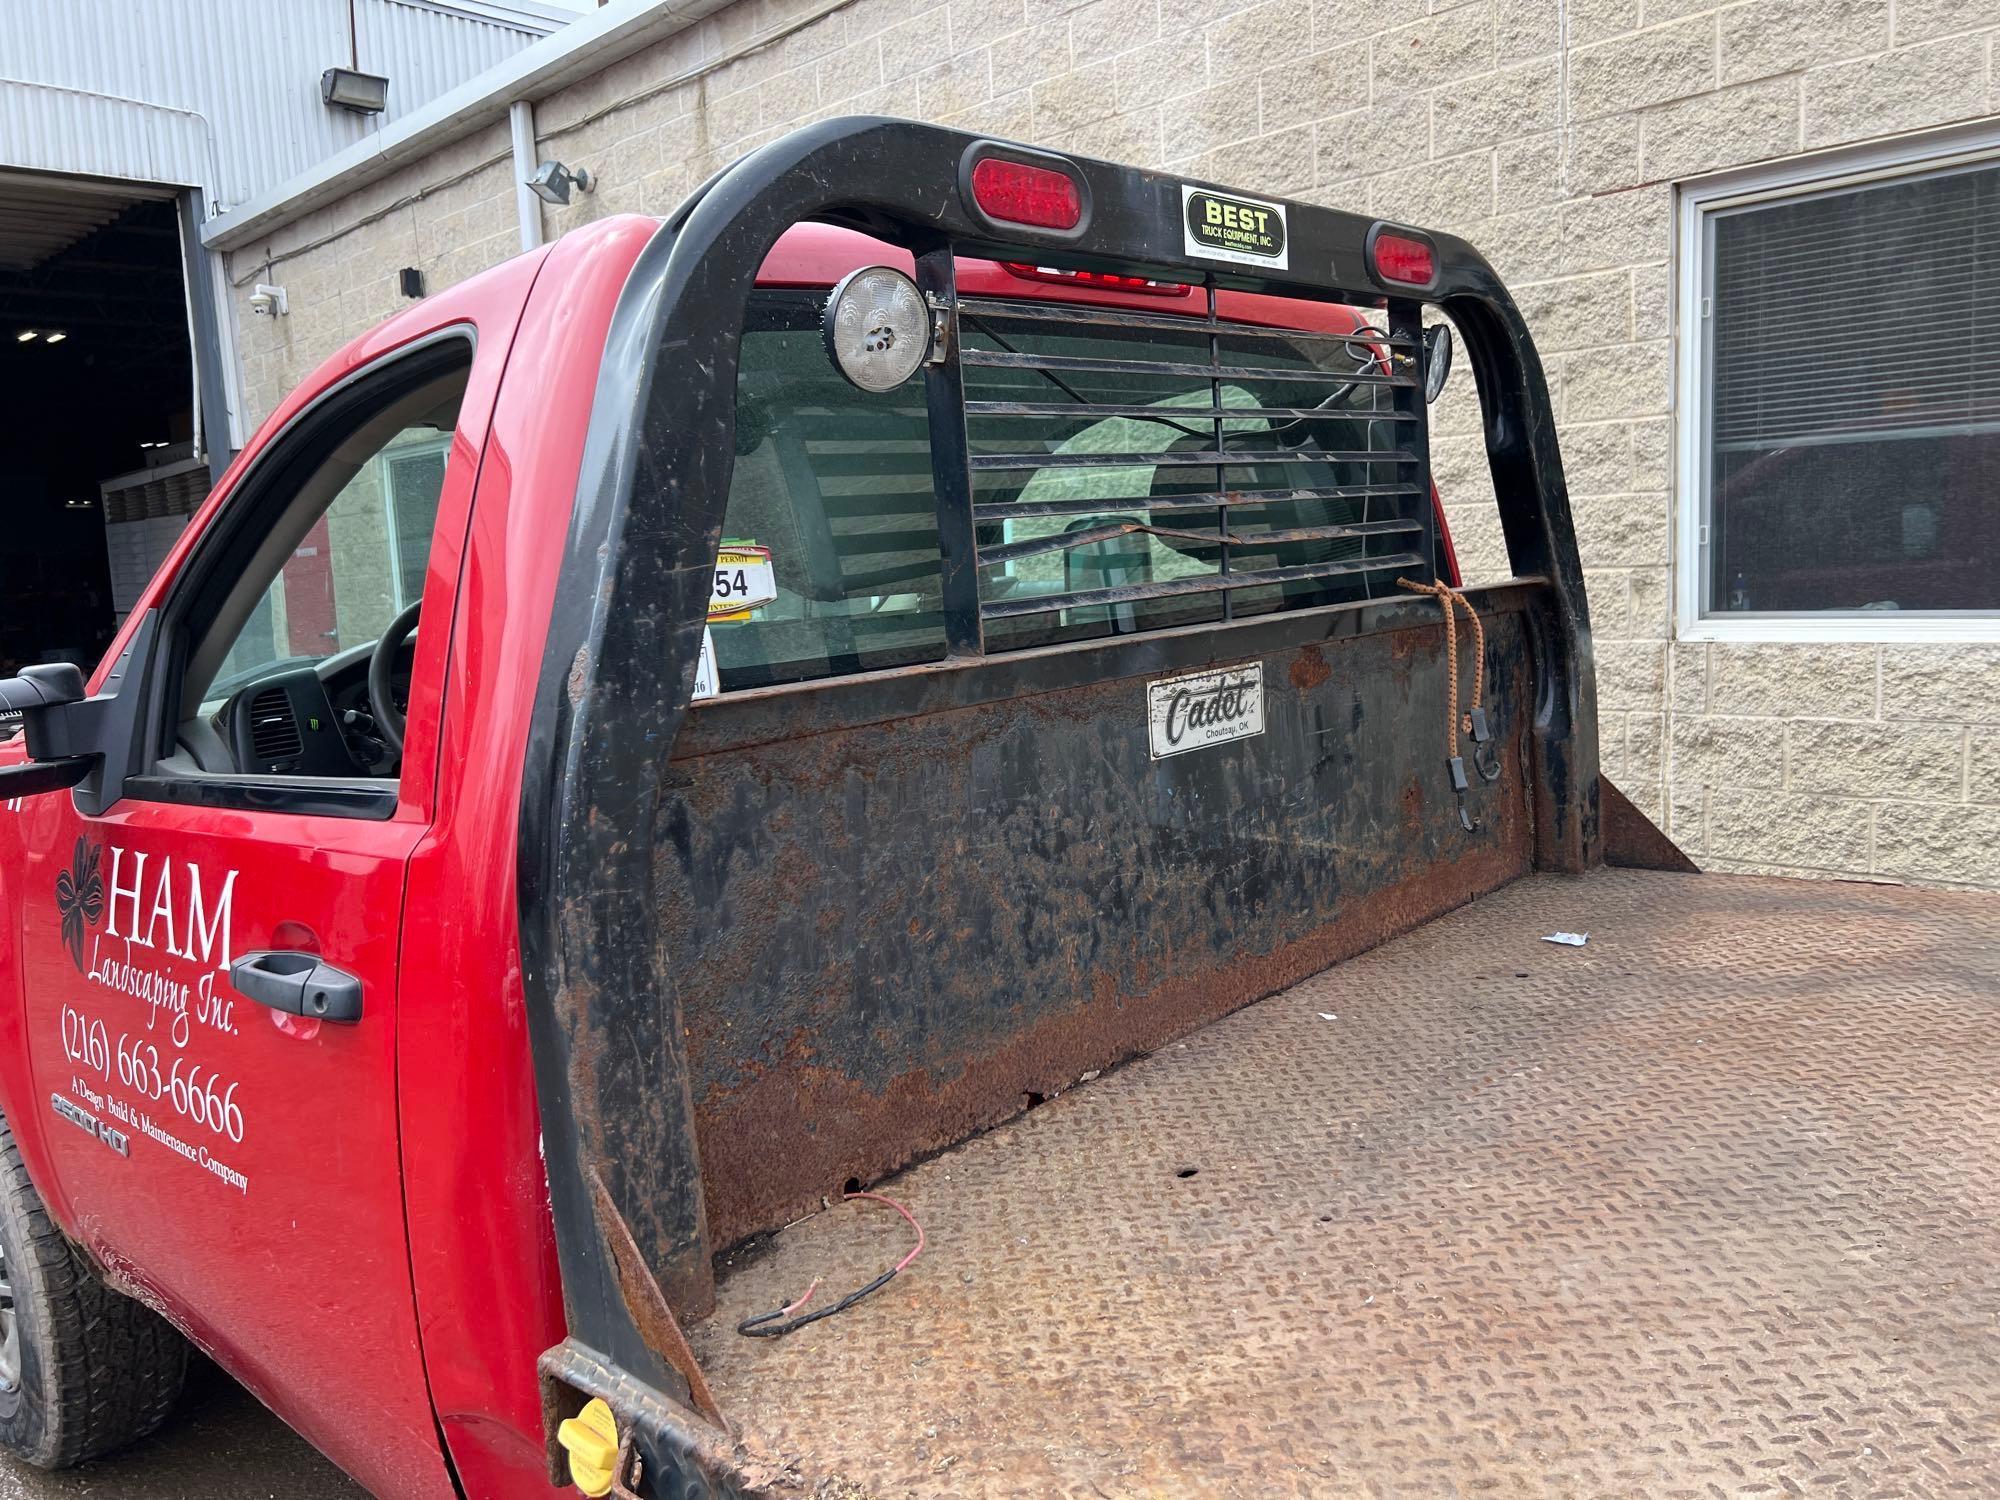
[[1710, 1206]]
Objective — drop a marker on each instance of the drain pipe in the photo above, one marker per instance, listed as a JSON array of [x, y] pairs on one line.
[[521, 124]]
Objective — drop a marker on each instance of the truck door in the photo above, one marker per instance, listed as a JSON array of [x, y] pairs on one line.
[[211, 964]]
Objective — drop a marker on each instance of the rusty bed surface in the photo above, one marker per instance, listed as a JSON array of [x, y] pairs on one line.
[[1706, 1208]]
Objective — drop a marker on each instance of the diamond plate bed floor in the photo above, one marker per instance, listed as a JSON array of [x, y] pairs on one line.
[[1710, 1207]]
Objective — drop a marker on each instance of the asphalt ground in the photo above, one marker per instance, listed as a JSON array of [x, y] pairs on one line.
[[220, 1441]]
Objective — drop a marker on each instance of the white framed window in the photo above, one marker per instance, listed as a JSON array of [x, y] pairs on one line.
[[1838, 398]]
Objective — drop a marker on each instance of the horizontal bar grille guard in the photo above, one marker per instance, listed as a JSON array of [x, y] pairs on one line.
[[1384, 526]]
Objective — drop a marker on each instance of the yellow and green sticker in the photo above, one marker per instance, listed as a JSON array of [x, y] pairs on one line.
[[1225, 226]]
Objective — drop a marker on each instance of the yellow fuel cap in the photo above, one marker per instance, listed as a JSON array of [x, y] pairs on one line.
[[591, 1436]]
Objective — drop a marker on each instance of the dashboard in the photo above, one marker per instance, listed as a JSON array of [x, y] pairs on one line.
[[312, 719]]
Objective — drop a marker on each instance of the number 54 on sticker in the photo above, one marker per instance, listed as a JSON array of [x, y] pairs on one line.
[[744, 579]]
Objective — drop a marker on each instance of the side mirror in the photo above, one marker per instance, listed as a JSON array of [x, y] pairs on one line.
[[32, 695], [1437, 359]]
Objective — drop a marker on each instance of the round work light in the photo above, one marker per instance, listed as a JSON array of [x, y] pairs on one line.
[[878, 330]]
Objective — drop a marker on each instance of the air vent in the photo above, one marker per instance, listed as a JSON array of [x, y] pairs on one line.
[[274, 731]]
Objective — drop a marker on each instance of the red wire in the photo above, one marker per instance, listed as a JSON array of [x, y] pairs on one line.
[[882, 1198]]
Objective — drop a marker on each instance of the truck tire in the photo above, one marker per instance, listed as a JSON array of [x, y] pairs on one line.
[[83, 1369]]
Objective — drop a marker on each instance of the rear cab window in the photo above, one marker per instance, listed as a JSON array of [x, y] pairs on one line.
[[1114, 449]]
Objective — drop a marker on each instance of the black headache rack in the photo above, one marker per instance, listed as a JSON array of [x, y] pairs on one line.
[[617, 1100]]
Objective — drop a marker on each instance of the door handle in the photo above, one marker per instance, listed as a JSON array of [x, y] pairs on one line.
[[298, 984]]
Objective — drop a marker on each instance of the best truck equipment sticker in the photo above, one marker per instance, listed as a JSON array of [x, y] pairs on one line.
[[156, 996], [1204, 708], [1221, 226]]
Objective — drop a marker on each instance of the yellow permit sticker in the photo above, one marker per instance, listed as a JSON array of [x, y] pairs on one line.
[[744, 580]]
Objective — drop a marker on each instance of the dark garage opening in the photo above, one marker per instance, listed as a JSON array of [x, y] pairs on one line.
[[96, 383]]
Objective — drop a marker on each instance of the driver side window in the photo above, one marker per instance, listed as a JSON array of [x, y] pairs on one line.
[[299, 612]]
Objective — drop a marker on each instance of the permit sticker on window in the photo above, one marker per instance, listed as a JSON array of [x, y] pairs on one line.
[[1223, 226], [744, 579], [1204, 708], [707, 684]]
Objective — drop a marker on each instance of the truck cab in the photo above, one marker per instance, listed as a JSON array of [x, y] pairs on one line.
[[696, 719]]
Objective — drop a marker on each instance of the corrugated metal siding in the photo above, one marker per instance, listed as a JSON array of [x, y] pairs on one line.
[[221, 94]]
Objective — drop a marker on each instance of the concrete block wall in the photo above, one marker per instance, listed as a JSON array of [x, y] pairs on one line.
[[1549, 132]]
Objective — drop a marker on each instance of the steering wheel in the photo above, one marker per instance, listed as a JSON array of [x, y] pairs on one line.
[[389, 718]]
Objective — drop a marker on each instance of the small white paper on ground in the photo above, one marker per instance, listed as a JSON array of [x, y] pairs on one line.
[[1568, 939], [1328, 1016]]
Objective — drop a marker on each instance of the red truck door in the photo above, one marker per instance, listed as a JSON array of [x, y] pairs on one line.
[[211, 965]]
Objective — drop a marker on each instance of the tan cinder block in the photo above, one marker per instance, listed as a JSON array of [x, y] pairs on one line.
[[1631, 674], [1076, 98], [912, 46], [1688, 676], [1620, 229], [1928, 84], [1959, 683], [1621, 380], [1365, 141], [1917, 19], [1791, 831], [1280, 163], [1611, 745], [1629, 530], [1715, 751], [1687, 814], [1295, 93], [1242, 45], [1481, 548], [1524, 245], [1598, 20], [954, 85], [1169, 69], [1609, 592], [1652, 453], [1214, 117], [1603, 155], [1710, 131], [1579, 311], [1651, 603], [1031, 57], [1645, 749], [1528, 172], [1918, 762], [1784, 36], [1792, 679], [1132, 136], [1449, 44], [1525, 28], [1597, 458], [1935, 842], [1441, 193], [1982, 781], [1645, 67], [1105, 27], [1502, 105], [974, 23], [1652, 302]]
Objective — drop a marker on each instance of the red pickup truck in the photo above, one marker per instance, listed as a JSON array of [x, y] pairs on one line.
[[696, 719]]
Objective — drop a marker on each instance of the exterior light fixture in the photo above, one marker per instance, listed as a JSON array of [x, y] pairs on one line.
[[363, 93], [552, 182], [877, 327], [55, 338], [26, 336]]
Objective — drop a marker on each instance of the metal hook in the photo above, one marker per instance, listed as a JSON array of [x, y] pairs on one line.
[[1460, 785]]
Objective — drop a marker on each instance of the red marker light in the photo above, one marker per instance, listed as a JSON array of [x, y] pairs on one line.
[[1018, 193], [1404, 259], [1109, 281]]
